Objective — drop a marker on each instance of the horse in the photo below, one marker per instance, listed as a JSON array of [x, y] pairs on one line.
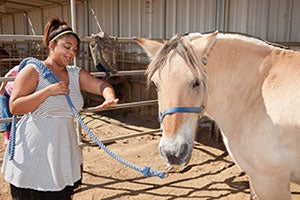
[[104, 52], [249, 86], [103, 49]]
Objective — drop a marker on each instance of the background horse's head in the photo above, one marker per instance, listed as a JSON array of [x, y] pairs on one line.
[[178, 74], [104, 52]]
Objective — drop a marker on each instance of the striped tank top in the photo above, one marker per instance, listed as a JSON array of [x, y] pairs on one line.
[[47, 155]]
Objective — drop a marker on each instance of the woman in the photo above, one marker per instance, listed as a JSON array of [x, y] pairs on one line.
[[47, 158]]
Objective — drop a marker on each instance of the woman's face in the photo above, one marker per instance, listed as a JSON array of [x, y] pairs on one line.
[[65, 50]]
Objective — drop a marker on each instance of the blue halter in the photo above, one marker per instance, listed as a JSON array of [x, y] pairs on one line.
[[184, 109]]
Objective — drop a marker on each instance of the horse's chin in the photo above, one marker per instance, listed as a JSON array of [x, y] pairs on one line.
[[176, 168], [176, 162]]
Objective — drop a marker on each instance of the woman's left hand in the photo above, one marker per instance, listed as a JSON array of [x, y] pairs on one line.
[[107, 103]]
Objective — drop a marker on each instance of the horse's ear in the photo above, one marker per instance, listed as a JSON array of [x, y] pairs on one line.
[[203, 42], [150, 46]]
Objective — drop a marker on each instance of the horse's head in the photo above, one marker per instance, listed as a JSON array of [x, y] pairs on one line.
[[104, 52], [177, 71]]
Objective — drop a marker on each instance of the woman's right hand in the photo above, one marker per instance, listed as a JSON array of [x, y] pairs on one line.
[[58, 89]]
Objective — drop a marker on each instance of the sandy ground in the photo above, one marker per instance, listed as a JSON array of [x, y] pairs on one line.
[[210, 175]]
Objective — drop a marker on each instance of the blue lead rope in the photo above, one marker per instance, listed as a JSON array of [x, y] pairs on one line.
[[12, 139], [47, 73]]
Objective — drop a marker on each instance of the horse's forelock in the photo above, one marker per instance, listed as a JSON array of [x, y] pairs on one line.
[[176, 45]]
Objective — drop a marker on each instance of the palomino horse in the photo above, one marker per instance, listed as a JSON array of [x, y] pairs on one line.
[[252, 90]]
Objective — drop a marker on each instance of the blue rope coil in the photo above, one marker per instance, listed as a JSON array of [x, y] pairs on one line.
[[47, 73]]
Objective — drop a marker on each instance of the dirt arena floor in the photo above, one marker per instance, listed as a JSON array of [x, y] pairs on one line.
[[210, 175]]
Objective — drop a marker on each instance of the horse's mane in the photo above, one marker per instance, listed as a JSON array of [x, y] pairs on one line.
[[181, 46], [251, 38]]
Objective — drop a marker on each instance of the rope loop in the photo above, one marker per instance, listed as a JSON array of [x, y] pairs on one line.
[[146, 171]]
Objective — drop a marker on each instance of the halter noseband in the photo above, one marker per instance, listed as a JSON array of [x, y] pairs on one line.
[[184, 109]]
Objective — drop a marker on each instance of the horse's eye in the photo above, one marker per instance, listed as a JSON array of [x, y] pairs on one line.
[[154, 85], [196, 83]]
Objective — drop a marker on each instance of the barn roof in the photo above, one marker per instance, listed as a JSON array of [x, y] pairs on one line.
[[17, 6]]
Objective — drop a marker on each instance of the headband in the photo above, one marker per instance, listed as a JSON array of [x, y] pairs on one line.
[[62, 33]]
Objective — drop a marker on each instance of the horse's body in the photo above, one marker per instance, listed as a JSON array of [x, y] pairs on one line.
[[253, 93]]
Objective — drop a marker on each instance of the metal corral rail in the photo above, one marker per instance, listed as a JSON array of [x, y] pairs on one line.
[[118, 106], [92, 109]]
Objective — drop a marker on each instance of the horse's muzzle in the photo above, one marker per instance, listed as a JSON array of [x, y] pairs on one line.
[[180, 156]]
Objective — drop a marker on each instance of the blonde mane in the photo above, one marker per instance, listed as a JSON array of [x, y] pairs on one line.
[[177, 46], [250, 39]]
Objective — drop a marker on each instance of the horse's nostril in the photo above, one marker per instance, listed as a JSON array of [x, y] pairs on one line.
[[183, 151], [177, 158], [173, 160]]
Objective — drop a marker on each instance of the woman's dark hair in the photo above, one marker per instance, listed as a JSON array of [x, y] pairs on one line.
[[55, 27]]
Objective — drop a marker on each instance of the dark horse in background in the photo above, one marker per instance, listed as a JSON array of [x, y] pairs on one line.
[[103, 50]]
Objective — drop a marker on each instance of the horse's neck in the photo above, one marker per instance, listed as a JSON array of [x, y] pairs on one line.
[[240, 51], [236, 62], [235, 79]]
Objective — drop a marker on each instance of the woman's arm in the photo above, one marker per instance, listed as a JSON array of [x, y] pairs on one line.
[[24, 99], [94, 85]]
